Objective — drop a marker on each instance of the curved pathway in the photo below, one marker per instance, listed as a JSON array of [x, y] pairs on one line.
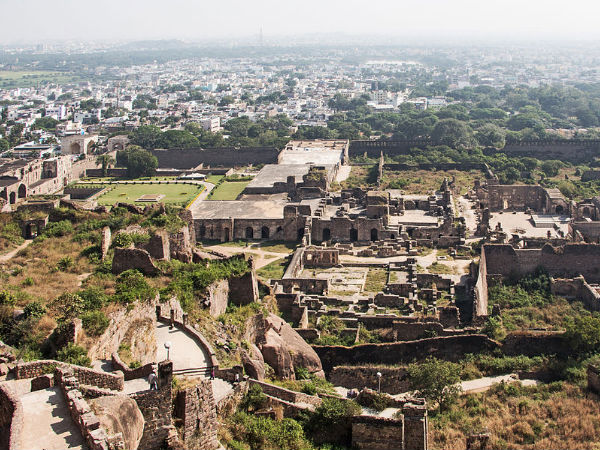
[[185, 352], [8, 256], [47, 422]]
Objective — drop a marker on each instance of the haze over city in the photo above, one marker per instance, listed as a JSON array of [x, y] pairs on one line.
[[38, 20]]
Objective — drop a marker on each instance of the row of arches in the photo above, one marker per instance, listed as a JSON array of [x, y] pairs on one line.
[[326, 234], [12, 196]]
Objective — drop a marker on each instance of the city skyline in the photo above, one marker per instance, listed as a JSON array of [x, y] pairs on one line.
[[34, 21]]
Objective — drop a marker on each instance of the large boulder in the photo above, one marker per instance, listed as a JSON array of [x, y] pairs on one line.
[[133, 258], [254, 363], [284, 349], [120, 414]]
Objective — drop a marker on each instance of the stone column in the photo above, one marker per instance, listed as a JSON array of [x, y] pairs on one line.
[[415, 427]]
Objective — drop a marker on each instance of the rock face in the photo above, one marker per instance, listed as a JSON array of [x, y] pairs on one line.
[[133, 258], [120, 414], [254, 363], [283, 349]]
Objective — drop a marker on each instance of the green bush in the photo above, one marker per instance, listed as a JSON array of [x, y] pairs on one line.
[[132, 286], [57, 229], [74, 354], [6, 298], [34, 309], [254, 399], [122, 240], [94, 322], [93, 298], [64, 263], [264, 433], [331, 421]]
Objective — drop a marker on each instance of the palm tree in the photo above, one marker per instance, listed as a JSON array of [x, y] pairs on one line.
[[105, 161]]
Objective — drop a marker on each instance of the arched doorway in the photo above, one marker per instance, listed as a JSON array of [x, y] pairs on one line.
[[374, 234], [264, 232], [226, 236], [75, 148], [353, 235], [22, 191], [559, 209], [4, 195], [586, 212], [326, 234], [202, 231], [249, 233], [13, 198], [300, 233]]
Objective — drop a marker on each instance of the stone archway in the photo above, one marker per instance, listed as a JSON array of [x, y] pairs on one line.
[[202, 231], [326, 234], [22, 191], [75, 148], [4, 194], [13, 198], [226, 237], [264, 232], [559, 209], [353, 235], [374, 234], [586, 212], [249, 233]]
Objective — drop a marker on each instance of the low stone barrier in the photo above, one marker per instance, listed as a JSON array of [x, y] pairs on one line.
[[84, 375], [131, 374], [393, 380], [11, 418], [286, 394], [88, 423]]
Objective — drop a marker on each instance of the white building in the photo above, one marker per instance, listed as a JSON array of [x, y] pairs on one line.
[[59, 112], [212, 124]]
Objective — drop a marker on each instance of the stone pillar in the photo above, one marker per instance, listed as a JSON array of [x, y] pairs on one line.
[[165, 374], [185, 319], [158, 311], [415, 427], [172, 318]]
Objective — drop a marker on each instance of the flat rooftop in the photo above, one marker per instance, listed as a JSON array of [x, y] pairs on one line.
[[415, 217], [524, 224], [325, 152], [237, 209], [274, 173]]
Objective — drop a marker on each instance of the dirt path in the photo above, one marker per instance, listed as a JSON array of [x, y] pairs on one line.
[[8, 256], [261, 257], [47, 422]]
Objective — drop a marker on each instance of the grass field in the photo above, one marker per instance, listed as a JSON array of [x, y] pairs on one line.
[[274, 270], [14, 79], [214, 179], [228, 190], [174, 193]]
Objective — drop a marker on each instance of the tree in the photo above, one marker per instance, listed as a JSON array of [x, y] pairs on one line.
[[105, 161], [4, 145], [583, 334], [453, 133], [66, 306], [147, 136], [436, 380], [551, 167], [490, 135], [139, 162], [45, 123]]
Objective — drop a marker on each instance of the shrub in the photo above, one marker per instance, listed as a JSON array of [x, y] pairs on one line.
[[94, 322], [302, 373], [436, 380], [28, 281], [34, 309], [93, 298], [131, 286], [122, 240], [66, 306], [332, 421], [64, 263], [74, 354], [57, 229], [6, 298], [255, 399]]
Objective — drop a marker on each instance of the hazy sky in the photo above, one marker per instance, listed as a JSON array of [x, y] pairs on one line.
[[39, 20]]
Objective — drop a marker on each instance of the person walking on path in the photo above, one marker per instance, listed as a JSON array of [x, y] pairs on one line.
[[153, 380]]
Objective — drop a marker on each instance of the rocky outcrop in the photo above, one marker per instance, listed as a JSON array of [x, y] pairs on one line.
[[284, 349], [120, 414], [133, 258], [254, 363]]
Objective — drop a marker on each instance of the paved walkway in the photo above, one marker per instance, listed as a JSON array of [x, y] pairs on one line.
[[485, 383], [8, 256], [48, 423], [184, 352]]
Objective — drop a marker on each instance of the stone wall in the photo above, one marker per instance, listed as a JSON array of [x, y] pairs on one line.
[[243, 290], [380, 433], [224, 157], [393, 380], [576, 289], [480, 290], [572, 150], [217, 295], [452, 348], [133, 258], [570, 260], [11, 418], [589, 230], [286, 394], [130, 374], [88, 423], [84, 375], [156, 409], [533, 343], [593, 378], [195, 407]]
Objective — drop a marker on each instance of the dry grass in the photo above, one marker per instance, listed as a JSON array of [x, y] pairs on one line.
[[38, 262], [561, 416]]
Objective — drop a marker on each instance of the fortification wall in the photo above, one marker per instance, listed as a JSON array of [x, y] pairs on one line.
[[223, 157], [393, 380], [11, 418], [195, 407], [570, 260], [451, 348], [572, 150]]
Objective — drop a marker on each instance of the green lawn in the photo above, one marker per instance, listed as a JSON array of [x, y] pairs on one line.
[[274, 270], [174, 193], [13, 79], [228, 190], [214, 179]]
